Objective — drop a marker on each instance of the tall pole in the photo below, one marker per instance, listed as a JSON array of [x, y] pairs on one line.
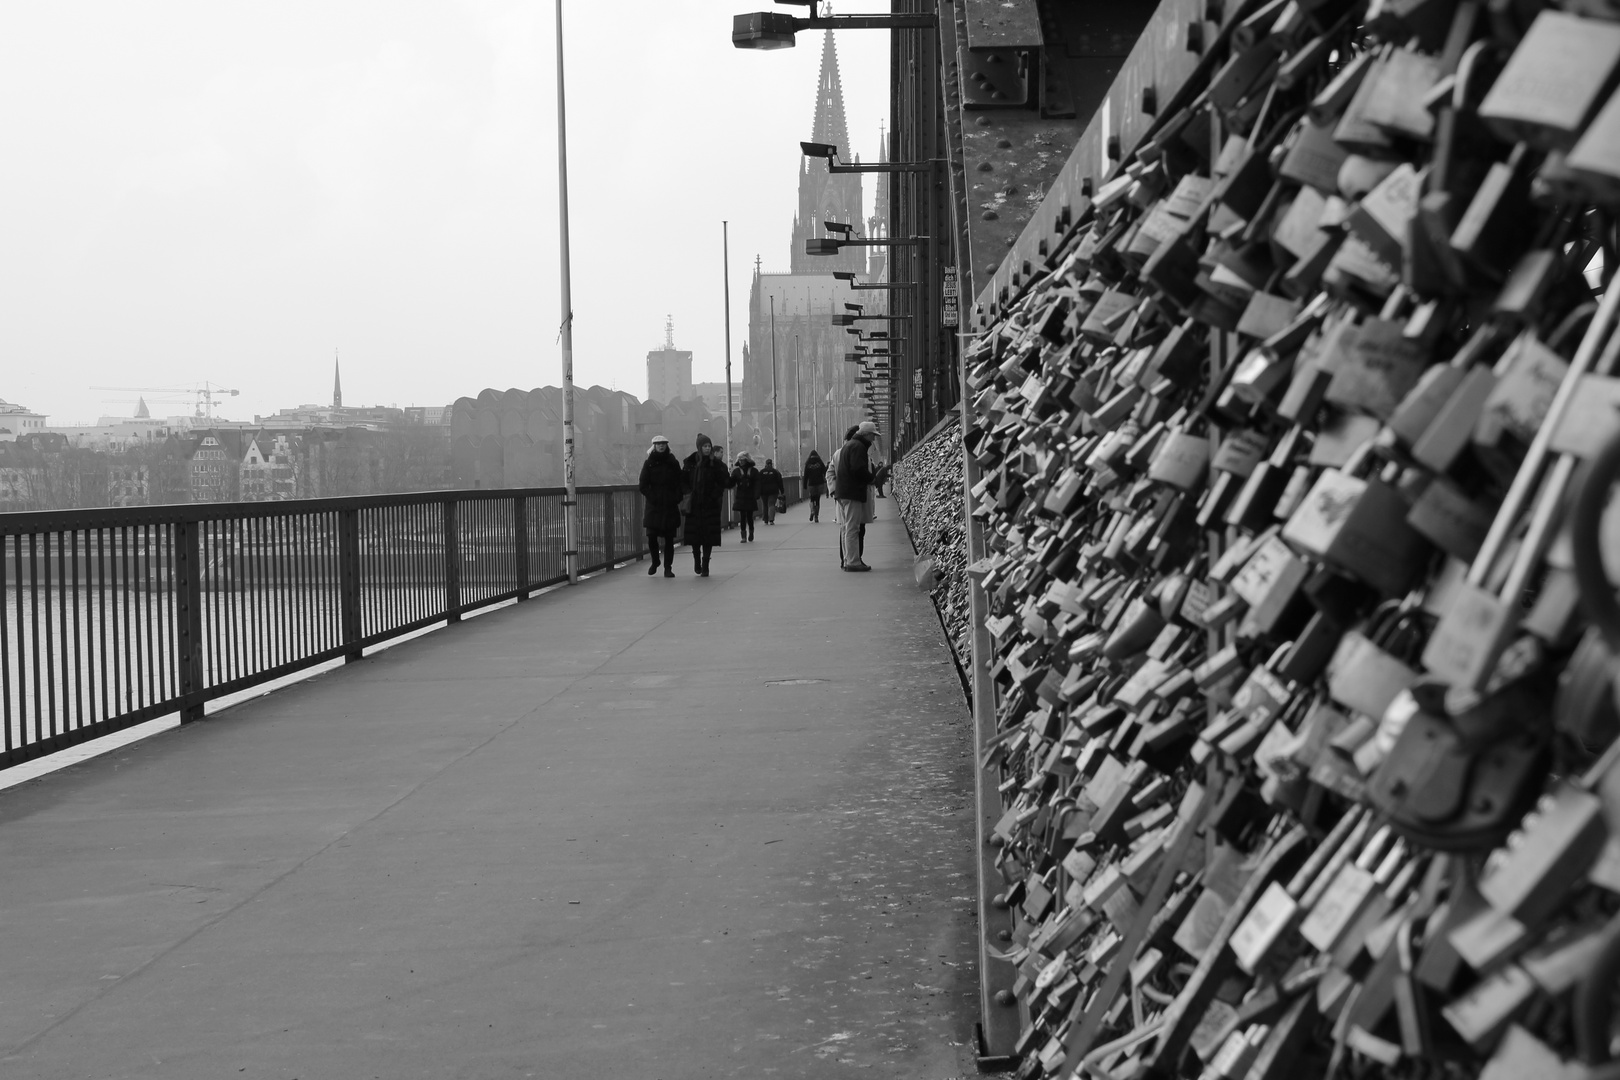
[[725, 256], [815, 407], [798, 403], [571, 498], [776, 444]]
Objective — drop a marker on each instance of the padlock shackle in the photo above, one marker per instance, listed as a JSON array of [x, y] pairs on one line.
[[1523, 488], [1579, 316], [1585, 524], [1594, 998]]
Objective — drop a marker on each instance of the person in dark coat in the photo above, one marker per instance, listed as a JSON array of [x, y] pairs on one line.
[[770, 486], [745, 479], [706, 481], [853, 477], [815, 483], [663, 482]]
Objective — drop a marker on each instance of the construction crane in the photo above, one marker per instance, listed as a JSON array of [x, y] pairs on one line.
[[203, 395]]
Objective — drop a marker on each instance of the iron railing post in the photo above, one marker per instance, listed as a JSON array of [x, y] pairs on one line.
[[186, 580], [607, 528], [349, 583], [452, 564], [520, 546]]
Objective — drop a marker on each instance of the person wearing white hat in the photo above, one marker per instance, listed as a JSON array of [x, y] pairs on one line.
[[663, 484], [852, 477]]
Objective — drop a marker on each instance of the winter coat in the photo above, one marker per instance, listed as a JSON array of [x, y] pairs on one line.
[[854, 471], [815, 471], [745, 478], [770, 483], [707, 480], [663, 482]]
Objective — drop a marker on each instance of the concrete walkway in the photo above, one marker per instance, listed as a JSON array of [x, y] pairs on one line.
[[637, 829]]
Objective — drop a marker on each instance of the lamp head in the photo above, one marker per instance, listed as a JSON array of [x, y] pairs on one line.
[[856, 308], [762, 30], [820, 246], [819, 150], [844, 275], [837, 227]]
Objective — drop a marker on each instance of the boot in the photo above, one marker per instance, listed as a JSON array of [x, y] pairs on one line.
[[653, 569]]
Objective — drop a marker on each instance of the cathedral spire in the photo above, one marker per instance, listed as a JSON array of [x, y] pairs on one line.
[[337, 383], [822, 196], [829, 125]]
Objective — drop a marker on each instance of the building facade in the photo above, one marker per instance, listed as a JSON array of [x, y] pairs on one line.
[[17, 421]]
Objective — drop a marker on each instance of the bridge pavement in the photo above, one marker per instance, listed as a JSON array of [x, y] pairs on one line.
[[636, 829]]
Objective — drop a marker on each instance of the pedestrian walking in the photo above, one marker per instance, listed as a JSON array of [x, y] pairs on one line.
[[706, 484], [851, 479], [745, 497], [814, 478], [771, 489], [663, 484]]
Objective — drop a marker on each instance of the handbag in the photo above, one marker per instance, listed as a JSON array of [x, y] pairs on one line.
[[781, 504]]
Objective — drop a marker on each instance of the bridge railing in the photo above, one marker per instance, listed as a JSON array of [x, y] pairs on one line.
[[112, 617]]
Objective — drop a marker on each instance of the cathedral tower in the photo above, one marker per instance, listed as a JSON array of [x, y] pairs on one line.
[[823, 196]]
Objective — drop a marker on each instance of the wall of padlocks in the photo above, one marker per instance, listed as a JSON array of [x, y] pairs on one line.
[[1300, 731], [927, 489]]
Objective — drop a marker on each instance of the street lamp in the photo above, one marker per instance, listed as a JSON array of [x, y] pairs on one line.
[[775, 30], [851, 320], [848, 277], [829, 153], [830, 245]]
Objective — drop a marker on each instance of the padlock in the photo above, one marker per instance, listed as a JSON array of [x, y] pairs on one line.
[[1558, 76], [1459, 778], [1371, 666], [1360, 527], [1377, 365], [1474, 631]]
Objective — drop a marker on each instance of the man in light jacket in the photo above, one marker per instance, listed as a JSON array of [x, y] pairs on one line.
[[851, 479]]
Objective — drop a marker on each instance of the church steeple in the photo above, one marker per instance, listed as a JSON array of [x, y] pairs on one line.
[[337, 384], [829, 125], [823, 196]]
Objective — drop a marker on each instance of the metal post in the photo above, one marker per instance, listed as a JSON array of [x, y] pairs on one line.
[[452, 563], [798, 404], [775, 444], [815, 405], [725, 262], [349, 582], [607, 528], [571, 499], [520, 545], [188, 592]]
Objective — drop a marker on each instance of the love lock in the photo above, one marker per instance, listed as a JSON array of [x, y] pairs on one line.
[[1585, 527]]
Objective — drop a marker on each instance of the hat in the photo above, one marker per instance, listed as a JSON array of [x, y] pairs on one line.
[[660, 439], [866, 428], [704, 440]]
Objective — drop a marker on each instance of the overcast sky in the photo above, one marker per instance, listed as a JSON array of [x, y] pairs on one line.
[[202, 190]]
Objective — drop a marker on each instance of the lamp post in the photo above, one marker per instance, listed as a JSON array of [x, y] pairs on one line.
[[798, 404], [829, 153], [571, 490], [725, 257], [776, 446], [775, 30]]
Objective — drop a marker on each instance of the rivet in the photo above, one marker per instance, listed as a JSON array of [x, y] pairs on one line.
[[989, 215], [985, 166], [1004, 143]]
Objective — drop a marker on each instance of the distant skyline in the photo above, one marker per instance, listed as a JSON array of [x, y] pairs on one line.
[[230, 192]]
